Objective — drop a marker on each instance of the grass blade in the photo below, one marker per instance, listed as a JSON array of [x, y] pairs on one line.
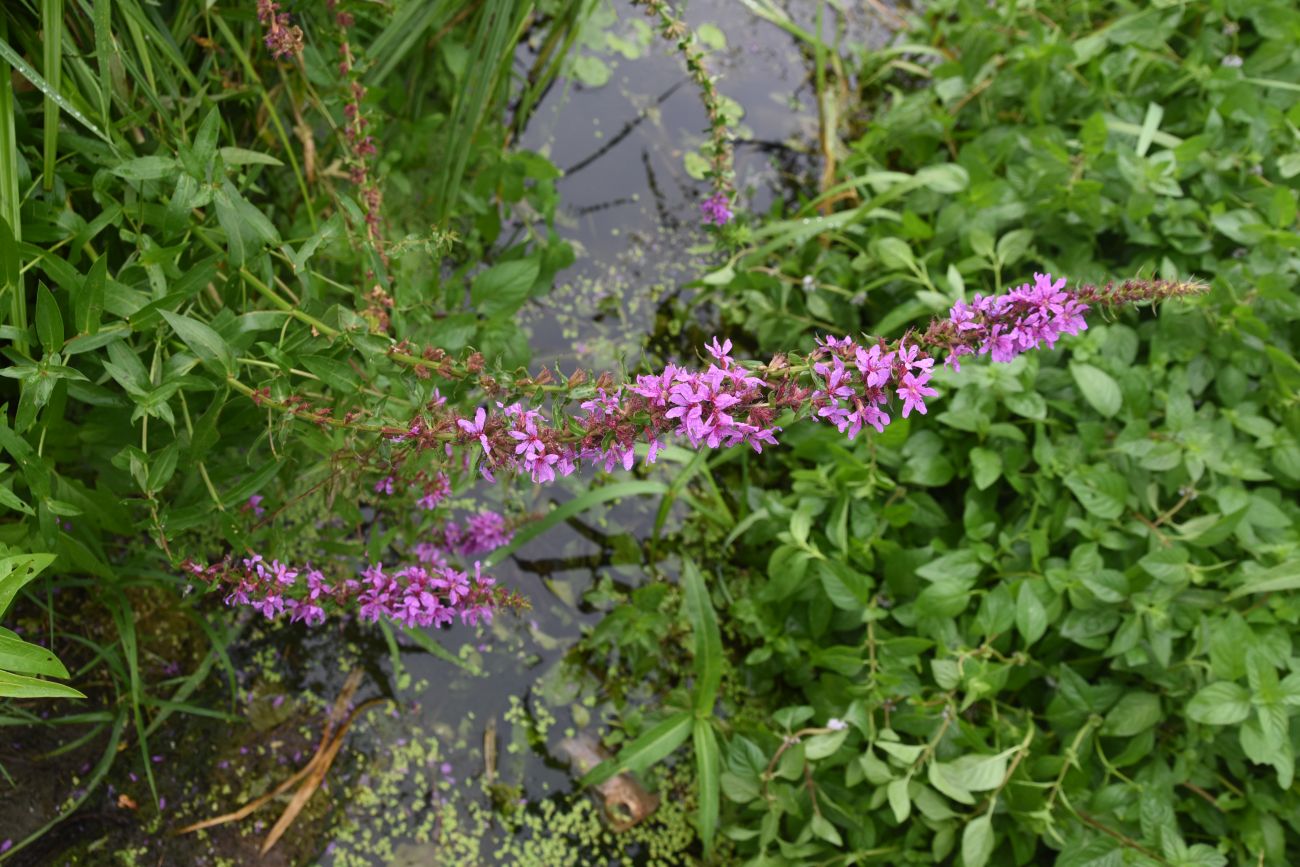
[[654, 745], [708, 640], [52, 43], [573, 507], [11, 278], [491, 53], [430, 645], [15, 60], [103, 18], [408, 25], [707, 771]]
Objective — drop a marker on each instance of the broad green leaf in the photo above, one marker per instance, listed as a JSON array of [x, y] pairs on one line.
[[654, 744], [338, 375], [209, 346], [1100, 490], [893, 253], [1031, 616], [502, 289], [944, 178], [1283, 576], [15, 571], [23, 657], [986, 466], [976, 773], [1135, 713], [1220, 704], [824, 745], [1098, 388], [943, 777], [822, 827], [977, 841], [19, 686], [899, 801]]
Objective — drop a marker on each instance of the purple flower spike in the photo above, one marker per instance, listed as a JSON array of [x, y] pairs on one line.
[[717, 209]]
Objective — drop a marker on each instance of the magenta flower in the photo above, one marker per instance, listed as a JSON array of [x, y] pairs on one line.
[[477, 428], [913, 391]]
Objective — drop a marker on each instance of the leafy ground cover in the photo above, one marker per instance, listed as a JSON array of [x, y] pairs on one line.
[[1049, 621]]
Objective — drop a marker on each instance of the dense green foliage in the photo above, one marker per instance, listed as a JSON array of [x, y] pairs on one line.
[[1051, 622], [1055, 614]]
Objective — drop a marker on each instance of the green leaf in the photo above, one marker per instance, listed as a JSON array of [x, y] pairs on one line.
[[145, 168], [88, 303], [1031, 616], [1283, 576], [986, 466], [1100, 490], [893, 253], [654, 744], [49, 321], [241, 157], [1013, 245], [502, 289], [20, 686], [16, 571], [977, 841], [944, 178], [976, 773], [1220, 704], [338, 375], [23, 657], [899, 801], [822, 828], [708, 640], [1135, 713], [209, 346], [708, 764], [1098, 388], [824, 745], [162, 465], [845, 587]]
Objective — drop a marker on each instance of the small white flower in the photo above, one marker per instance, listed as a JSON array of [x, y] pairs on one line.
[[1232, 61], [836, 725], [808, 283]]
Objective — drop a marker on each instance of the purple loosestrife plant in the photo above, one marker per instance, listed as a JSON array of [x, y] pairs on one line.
[[432, 593], [844, 382], [283, 38], [717, 209], [429, 594]]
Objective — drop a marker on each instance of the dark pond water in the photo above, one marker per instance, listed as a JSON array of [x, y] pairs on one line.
[[414, 768]]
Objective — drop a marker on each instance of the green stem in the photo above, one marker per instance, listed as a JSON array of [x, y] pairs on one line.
[[270, 295]]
